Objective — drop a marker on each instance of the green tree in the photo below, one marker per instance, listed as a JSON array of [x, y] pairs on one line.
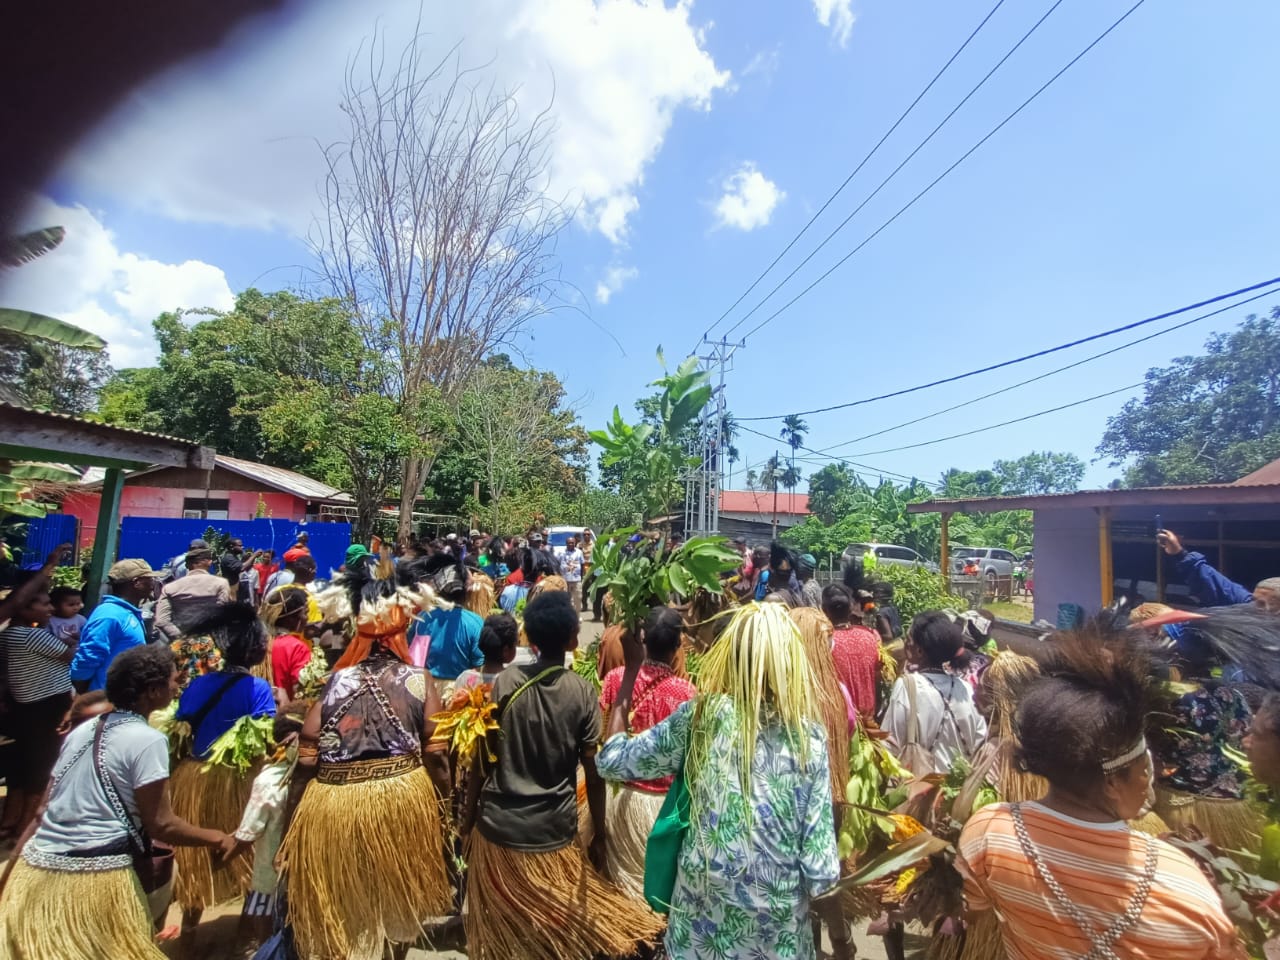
[[1209, 418], [831, 492], [1044, 472]]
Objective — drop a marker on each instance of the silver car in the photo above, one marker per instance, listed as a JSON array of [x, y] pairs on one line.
[[994, 563], [887, 554]]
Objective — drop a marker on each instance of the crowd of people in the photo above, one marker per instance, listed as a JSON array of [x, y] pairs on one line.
[[410, 750]]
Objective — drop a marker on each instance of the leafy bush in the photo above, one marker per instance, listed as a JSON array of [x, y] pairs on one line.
[[68, 577], [917, 590]]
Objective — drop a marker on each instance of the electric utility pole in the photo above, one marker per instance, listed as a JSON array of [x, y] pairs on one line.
[[704, 481]]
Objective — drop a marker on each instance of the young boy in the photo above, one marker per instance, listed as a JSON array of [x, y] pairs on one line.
[[499, 640], [262, 826], [526, 814], [67, 619]]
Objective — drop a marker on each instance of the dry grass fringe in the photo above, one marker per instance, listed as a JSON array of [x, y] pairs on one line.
[[815, 632], [629, 817], [51, 915], [981, 941], [480, 594], [547, 906], [212, 797], [365, 864], [1227, 824], [1151, 824]]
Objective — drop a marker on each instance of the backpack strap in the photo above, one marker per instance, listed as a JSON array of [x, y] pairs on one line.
[[506, 704], [197, 718]]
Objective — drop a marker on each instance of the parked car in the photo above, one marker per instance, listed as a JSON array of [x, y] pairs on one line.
[[888, 554], [993, 562], [557, 537]]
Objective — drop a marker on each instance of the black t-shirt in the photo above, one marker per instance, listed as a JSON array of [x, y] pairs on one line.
[[530, 801]]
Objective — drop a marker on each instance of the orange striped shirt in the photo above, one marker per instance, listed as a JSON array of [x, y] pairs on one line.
[[1098, 866]]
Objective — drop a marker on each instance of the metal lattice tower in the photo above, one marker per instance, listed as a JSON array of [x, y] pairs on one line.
[[703, 482]]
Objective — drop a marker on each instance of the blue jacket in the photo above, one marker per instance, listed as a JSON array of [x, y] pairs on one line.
[[1210, 586], [115, 625]]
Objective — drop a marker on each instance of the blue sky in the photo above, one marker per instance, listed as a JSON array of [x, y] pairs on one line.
[[1144, 179]]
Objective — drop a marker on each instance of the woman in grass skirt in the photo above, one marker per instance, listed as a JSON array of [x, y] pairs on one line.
[[72, 893], [364, 851]]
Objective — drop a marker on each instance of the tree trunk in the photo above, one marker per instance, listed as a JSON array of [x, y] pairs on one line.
[[410, 487]]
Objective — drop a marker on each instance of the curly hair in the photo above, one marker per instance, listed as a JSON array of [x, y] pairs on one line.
[[136, 671]]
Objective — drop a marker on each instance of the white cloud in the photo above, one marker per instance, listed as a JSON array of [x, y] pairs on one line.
[[748, 200], [764, 63], [613, 280], [233, 140], [116, 294], [838, 15]]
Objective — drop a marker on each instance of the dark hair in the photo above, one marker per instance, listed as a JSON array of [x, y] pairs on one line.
[[837, 603], [306, 560], [58, 594], [1089, 706], [1269, 711], [499, 632], [938, 638], [289, 719], [136, 671], [550, 621], [663, 632], [235, 629], [882, 591], [290, 598]]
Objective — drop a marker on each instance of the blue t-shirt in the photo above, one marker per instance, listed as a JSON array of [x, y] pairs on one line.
[[114, 625], [455, 641], [249, 696]]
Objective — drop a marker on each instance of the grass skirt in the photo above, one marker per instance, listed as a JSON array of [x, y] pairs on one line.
[[1227, 824], [54, 915], [365, 865], [547, 906], [629, 815], [213, 797]]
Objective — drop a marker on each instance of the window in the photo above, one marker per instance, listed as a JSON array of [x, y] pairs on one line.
[[897, 553], [196, 508]]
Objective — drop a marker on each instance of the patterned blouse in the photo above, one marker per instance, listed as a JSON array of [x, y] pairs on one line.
[[856, 651], [658, 693], [354, 724], [750, 863]]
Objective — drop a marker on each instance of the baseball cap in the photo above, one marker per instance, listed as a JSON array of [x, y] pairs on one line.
[[295, 553], [473, 534], [198, 544], [355, 552], [122, 571], [535, 538], [741, 540], [452, 536]]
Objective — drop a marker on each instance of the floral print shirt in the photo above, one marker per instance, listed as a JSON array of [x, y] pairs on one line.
[[749, 863], [1206, 721]]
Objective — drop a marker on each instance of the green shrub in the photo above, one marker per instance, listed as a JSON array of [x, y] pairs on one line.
[[917, 590]]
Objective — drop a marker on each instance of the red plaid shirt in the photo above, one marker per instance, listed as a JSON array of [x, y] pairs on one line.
[[657, 694]]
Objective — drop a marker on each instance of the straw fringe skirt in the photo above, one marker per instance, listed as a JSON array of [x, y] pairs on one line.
[[365, 865], [629, 816], [214, 797], [1227, 824], [56, 915], [547, 906]]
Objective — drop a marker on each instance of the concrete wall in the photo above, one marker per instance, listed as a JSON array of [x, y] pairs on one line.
[[166, 503], [1066, 568]]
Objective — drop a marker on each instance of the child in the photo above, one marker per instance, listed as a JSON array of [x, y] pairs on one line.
[[67, 619], [499, 638], [263, 825]]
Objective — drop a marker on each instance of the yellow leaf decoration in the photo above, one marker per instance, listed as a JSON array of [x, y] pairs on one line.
[[466, 724]]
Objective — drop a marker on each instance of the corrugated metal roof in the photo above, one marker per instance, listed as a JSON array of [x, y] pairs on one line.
[[761, 501], [1207, 494], [95, 424], [1266, 475], [286, 480]]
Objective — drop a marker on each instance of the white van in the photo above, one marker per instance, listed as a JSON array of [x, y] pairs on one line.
[[557, 537]]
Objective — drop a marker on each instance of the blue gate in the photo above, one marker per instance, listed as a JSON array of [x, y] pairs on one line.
[[159, 539], [45, 533]]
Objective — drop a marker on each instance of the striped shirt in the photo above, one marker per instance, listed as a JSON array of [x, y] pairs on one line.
[[36, 662], [1099, 866]]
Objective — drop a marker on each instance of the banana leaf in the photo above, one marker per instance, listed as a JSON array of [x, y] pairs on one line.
[[43, 471], [24, 323], [15, 251], [894, 860]]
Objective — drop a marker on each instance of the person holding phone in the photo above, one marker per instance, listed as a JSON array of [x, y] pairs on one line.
[[1209, 585]]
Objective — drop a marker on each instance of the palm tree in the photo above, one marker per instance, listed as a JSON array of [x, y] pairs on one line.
[[752, 480], [793, 432], [733, 456], [790, 478]]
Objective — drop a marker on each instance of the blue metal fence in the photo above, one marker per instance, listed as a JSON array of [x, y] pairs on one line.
[[157, 540], [45, 533]]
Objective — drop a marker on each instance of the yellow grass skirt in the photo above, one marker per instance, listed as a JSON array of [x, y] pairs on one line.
[[1227, 824], [547, 906], [365, 865], [213, 797], [55, 915], [629, 815]]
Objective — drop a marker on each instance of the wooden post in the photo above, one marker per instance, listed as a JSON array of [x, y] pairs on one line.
[[944, 556], [1159, 572], [1106, 568], [1222, 549], [106, 536]]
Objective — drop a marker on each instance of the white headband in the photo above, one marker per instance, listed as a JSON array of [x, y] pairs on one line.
[[1126, 758]]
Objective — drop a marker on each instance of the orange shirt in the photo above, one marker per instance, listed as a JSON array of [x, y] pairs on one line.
[[1098, 866]]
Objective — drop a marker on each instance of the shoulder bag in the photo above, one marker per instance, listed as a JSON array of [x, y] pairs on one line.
[[914, 755], [152, 860]]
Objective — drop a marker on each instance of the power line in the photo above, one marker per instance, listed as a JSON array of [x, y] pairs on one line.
[[847, 180], [870, 470], [1006, 423], [1022, 359], [896, 170], [972, 150], [1069, 366]]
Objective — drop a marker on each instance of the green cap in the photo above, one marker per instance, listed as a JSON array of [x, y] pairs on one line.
[[355, 552]]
